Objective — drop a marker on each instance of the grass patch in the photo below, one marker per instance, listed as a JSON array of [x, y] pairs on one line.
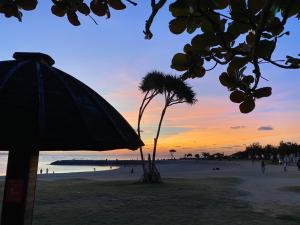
[[290, 218], [175, 202], [291, 189]]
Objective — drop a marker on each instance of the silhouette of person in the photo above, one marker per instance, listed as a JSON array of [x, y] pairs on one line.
[[41, 171], [298, 164], [131, 170], [94, 169], [47, 170], [263, 166], [285, 167]]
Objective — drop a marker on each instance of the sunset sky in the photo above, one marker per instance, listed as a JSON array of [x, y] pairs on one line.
[[113, 56]]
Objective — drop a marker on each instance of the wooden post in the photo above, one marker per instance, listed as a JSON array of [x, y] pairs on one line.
[[20, 185]]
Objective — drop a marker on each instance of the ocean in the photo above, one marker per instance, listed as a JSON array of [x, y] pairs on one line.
[[45, 158]]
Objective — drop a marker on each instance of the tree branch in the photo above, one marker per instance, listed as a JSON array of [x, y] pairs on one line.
[[282, 66], [258, 32], [155, 8], [214, 66], [177, 102]]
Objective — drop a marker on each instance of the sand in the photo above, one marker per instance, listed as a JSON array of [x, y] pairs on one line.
[[263, 191]]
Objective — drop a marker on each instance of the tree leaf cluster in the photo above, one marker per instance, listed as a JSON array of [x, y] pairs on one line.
[[174, 88], [61, 8], [238, 34], [13, 8], [257, 151]]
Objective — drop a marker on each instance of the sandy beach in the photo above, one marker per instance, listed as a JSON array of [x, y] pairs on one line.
[[265, 192]]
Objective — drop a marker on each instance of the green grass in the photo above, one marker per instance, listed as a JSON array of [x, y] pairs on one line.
[[175, 202]]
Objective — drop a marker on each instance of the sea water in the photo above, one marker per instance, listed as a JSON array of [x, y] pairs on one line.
[[46, 158]]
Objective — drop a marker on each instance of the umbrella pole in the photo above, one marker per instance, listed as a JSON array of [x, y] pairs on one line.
[[20, 183]]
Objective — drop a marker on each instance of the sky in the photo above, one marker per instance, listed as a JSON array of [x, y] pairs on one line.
[[113, 56]]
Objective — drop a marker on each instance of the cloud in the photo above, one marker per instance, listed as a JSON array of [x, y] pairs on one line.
[[231, 147], [265, 128], [238, 127]]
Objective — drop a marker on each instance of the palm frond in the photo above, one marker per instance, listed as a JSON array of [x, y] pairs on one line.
[[181, 90], [153, 81]]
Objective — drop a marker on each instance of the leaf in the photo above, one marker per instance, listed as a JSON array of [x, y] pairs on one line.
[[73, 18], [116, 4], [237, 96], [236, 28], [250, 38], [238, 9], [236, 64], [276, 26], [192, 24], [248, 79], [198, 71], [98, 8], [203, 41], [10, 9], [248, 105], [256, 5], [227, 81], [238, 5], [178, 25], [84, 9], [206, 26], [221, 4], [179, 8], [295, 62], [265, 49], [57, 11], [262, 92], [180, 62], [187, 48]]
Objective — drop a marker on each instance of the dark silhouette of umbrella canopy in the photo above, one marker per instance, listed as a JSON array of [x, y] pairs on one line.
[[45, 108]]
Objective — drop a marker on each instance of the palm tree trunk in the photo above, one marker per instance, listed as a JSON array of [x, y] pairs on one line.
[[141, 148], [142, 108], [157, 135], [146, 100]]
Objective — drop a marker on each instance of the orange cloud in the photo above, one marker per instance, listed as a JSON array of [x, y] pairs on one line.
[[206, 126]]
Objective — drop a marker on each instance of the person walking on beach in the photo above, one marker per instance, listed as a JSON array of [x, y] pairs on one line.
[[94, 169], [263, 166], [41, 171], [298, 164], [47, 170], [285, 167], [132, 171]]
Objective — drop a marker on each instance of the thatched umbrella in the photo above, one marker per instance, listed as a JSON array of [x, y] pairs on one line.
[[44, 108]]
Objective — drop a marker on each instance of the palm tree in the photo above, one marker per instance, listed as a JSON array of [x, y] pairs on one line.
[[172, 152], [175, 91], [151, 85], [189, 155]]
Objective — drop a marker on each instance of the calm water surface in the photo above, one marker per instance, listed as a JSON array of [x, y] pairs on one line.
[[46, 158]]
